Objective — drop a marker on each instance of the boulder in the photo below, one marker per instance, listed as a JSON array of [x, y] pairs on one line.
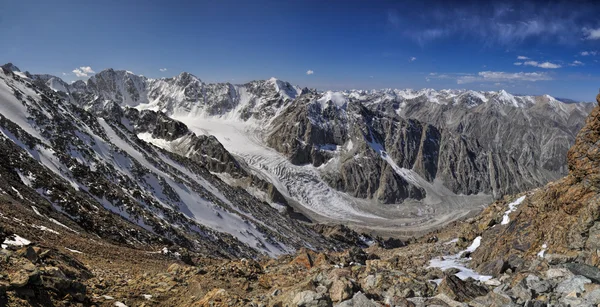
[[459, 290], [340, 290], [19, 278], [591, 272], [573, 284], [494, 268], [537, 285], [358, 300], [310, 298]]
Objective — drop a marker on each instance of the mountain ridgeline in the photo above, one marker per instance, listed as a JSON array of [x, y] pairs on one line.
[[348, 156]]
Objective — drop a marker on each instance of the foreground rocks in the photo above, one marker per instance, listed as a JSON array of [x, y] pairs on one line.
[[34, 275]]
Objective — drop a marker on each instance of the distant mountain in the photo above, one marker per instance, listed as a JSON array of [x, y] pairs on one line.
[[352, 156]]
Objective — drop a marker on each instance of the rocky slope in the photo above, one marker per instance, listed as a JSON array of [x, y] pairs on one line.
[[93, 168]]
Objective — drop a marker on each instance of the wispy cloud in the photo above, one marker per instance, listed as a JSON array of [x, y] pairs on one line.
[[576, 63], [83, 71], [518, 63], [309, 72], [509, 23], [163, 69], [586, 53], [521, 57], [412, 59], [591, 34], [500, 76], [546, 65]]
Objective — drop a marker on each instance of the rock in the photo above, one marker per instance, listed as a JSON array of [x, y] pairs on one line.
[[493, 299], [591, 272], [340, 290], [304, 259], [592, 296], [217, 297], [494, 268], [29, 252], [462, 291], [535, 303], [369, 283], [492, 282], [556, 273], [310, 298], [448, 301], [174, 268], [537, 285], [522, 292], [322, 279], [356, 255], [515, 262], [358, 300], [19, 278], [575, 283], [399, 302]]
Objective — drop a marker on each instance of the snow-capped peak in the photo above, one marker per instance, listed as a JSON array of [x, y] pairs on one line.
[[507, 98], [285, 88], [337, 98]]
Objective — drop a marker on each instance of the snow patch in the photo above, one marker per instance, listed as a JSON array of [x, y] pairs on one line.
[[17, 241], [543, 251], [511, 208], [73, 250], [44, 228], [458, 262]]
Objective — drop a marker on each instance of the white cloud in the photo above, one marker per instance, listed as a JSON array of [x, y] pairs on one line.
[[83, 71], [309, 72], [518, 63], [163, 69], [586, 53], [549, 65], [576, 63], [64, 73], [521, 57], [500, 76], [546, 65], [412, 59], [591, 33]]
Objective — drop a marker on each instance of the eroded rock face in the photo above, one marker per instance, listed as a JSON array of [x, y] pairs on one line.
[[556, 222]]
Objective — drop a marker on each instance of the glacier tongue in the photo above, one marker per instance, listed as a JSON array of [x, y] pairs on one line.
[[302, 183]]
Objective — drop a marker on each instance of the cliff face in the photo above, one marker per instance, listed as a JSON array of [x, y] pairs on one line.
[[562, 218]]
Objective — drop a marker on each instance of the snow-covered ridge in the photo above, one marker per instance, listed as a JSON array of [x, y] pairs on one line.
[[186, 93], [208, 210]]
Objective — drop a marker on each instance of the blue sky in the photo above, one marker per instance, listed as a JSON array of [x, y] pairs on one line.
[[345, 44]]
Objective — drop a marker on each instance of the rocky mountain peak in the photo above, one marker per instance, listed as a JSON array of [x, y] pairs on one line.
[[11, 67], [185, 79]]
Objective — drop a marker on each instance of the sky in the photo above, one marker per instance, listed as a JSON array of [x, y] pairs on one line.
[[522, 47]]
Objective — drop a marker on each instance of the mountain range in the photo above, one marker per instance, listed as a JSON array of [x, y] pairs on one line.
[[375, 159], [124, 190]]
